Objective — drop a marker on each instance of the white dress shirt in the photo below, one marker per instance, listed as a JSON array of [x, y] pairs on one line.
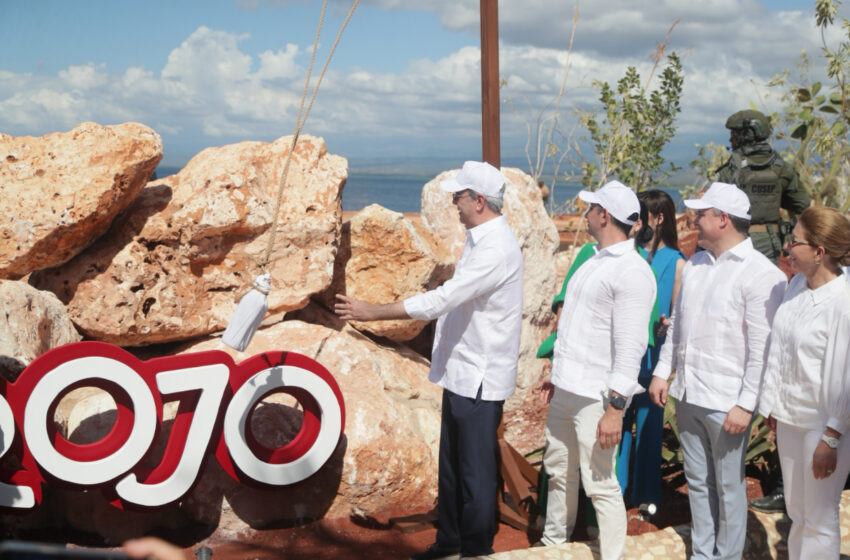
[[717, 339], [807, 377], [480, 315], [602, 333]]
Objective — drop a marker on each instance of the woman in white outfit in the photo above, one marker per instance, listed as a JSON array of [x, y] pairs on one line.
[[806, 394]]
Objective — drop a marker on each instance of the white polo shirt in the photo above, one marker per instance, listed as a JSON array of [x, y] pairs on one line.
[[480, 315], [717, 339], [602, 333]]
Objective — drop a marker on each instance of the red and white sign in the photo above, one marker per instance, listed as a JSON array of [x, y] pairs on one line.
[[216, 400]]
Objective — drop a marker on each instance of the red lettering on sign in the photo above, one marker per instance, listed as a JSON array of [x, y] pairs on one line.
[[216, 398]]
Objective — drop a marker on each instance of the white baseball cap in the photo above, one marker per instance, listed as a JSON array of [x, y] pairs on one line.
[[479, 176], [724, 197], [619, 200]]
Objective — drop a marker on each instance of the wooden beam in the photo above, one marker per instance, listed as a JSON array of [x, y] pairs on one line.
[[490, 83]]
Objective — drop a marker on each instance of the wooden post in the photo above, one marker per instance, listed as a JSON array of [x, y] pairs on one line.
[[519, 476], [490, 83]]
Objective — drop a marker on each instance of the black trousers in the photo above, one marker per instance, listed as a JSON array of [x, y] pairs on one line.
[[469, 474]]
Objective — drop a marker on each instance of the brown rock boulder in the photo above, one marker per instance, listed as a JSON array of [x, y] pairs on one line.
[[387, 457], [86, 415], [538, 239], [60, 192], [385, 257], [31, 323], [174, 266]]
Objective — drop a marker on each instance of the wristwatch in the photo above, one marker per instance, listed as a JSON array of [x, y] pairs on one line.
[[832, 442], [617, 401]]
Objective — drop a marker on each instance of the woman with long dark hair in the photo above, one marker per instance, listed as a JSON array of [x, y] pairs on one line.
[[667, 262]]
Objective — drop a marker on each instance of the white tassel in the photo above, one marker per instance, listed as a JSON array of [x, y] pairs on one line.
[[248, 315]]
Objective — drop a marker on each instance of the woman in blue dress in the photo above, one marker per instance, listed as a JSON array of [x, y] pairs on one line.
[[667, 262]]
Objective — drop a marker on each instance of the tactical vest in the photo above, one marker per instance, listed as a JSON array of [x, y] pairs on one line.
[[762, 182]]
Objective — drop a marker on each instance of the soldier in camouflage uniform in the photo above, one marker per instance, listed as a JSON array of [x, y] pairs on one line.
[[770, 182]]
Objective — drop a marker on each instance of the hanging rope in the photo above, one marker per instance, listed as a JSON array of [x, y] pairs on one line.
[[299, 122]]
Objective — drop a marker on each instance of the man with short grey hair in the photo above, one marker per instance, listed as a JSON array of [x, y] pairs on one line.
[[476, 345], [716, 343]]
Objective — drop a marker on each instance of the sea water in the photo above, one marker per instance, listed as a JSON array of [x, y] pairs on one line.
[[403, 193]]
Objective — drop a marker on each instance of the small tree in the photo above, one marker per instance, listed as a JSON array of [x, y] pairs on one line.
[[816, 116], [635, 127]]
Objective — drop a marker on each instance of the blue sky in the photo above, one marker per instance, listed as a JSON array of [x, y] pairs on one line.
[[403, 84]]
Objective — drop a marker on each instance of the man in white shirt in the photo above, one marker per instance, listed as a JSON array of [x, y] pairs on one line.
[[602, 336], [716, 344], [474, 359]]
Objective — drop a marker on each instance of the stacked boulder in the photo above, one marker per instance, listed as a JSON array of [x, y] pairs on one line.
[[91, 247]]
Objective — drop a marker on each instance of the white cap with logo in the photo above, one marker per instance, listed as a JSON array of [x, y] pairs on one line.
[[479, 176], [724, 197], [619, 200]]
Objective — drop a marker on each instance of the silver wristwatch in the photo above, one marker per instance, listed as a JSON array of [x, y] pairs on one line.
[[832, 442]]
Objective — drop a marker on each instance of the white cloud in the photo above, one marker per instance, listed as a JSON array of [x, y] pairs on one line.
[[279, 64], [82, 77], [210, 88], [207, 86]]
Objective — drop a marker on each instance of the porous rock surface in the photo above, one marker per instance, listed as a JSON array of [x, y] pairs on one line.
[[175, 264], [385, 257], [387, 457], [61, 191], [31, 323]]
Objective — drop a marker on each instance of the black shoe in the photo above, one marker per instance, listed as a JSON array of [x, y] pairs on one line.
[[434, 552], [772, 503]]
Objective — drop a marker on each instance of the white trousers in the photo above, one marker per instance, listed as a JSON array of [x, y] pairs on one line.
[[572, 451], [812, 504]]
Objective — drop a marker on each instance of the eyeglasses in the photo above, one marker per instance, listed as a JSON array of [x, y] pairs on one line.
[[795, 241], [458, 195]]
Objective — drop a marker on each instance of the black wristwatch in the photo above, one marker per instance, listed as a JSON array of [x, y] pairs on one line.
[[617, 401]]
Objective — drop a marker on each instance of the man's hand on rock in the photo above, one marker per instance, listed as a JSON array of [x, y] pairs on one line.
[[353, 309]]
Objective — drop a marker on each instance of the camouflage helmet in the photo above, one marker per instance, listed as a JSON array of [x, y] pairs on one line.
[[754, 122]]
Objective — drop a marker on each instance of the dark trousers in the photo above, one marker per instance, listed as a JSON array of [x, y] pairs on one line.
[[469, 474]]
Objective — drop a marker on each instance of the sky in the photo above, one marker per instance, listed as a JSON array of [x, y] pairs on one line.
[[404, 84]]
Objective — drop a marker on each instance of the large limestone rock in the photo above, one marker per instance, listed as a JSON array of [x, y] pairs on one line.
[[538, 239], [174, 266], [385, 257], [387, 458], [31, 323], [60, 192]]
